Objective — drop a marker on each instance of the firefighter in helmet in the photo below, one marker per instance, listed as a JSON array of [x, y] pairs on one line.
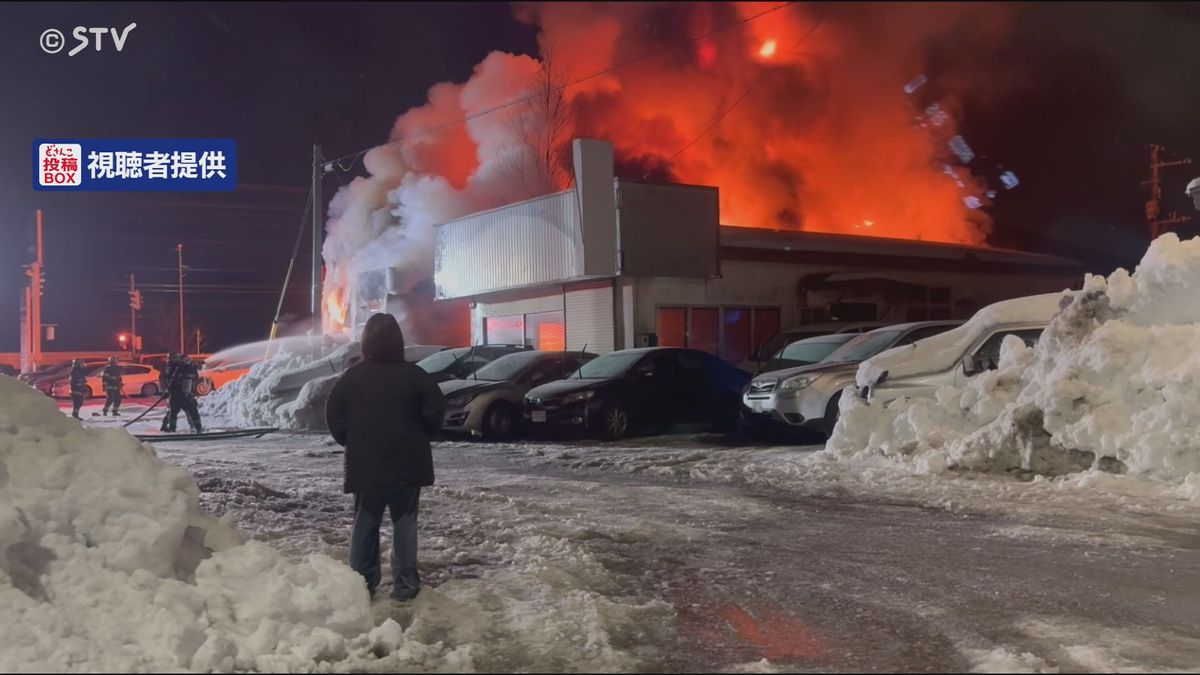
[[182, 378], [164, 387], [113, 383], [79, 390]]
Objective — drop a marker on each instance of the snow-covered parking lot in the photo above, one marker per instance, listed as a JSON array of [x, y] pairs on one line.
[[689, 554], [684, 553]]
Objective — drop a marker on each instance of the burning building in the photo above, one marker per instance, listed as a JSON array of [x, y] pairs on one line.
[[613, 264], [802, 119]]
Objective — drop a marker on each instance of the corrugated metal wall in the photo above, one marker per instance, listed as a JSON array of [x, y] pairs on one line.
[[533, 242], [589, 318]]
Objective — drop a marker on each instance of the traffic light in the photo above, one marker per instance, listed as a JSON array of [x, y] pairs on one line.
[[135, 299], [122, 339]]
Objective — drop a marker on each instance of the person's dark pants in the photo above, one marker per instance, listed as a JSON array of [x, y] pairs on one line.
[[76, 402], [192, 410], [168, 423], [113, 400], [402, 503]]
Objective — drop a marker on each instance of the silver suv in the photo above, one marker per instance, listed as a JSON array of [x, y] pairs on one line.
[[807, 397]]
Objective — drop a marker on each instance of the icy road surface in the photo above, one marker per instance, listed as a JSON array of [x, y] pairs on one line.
[[692, 554]]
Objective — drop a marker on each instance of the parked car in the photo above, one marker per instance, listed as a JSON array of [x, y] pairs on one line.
[[489, 402], [137, 379], [458, 363], [212, 379], [44, 380], [11, 371], [639, 390], [338, 361], [955, 356], [807, 397], [786, 337], [806, 352]]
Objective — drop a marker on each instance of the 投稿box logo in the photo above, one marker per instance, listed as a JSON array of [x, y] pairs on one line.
[[58, 164]]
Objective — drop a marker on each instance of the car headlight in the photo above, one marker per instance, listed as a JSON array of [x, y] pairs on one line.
[[797, 383], [461, 400], [577, 397]]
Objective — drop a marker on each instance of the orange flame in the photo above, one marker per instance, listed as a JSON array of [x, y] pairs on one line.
[[767, 50], [335, 307]]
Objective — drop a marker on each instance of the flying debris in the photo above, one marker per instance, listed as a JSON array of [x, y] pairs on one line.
[[915, 84], [1009, 179], [961, 150]]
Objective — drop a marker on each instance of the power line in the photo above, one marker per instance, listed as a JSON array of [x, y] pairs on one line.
[[737, 24]]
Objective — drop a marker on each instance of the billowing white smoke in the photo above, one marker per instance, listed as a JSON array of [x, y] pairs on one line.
[[421, 179]]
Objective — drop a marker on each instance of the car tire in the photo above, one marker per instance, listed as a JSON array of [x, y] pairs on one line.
[[614, 422], [149, 389], [499, 421], [832, 411], [204, 387]]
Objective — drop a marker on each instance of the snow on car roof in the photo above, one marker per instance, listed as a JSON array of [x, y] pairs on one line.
[[940, 351]]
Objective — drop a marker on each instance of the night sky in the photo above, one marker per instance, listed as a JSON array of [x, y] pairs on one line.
[[1070, 105]]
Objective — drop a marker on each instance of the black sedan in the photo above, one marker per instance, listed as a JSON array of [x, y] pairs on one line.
[[640, 390]]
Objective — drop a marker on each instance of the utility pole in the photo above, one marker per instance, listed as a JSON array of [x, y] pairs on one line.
[[135, 303], [182, 334], [197, 340], [33, 304], [315, 300], [1153, 210]]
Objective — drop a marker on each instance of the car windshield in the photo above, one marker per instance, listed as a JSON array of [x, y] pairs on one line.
[[608, 366], [440, 361], [507, 367], [812, 350], [864, 346]]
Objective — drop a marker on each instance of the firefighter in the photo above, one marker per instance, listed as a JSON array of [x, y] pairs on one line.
[[78, 387], [164, 387], [113, 383], [181, 388]]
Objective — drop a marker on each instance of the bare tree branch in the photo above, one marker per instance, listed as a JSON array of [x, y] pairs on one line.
[[543, 126]]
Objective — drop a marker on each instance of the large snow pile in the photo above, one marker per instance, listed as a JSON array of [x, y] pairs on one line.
[[1114, 383], [288, 391], [107, 564]]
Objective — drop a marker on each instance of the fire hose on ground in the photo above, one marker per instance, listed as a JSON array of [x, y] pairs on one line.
[[147, 410]]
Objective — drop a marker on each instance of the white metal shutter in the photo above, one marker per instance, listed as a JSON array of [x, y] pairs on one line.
[[589, 317]]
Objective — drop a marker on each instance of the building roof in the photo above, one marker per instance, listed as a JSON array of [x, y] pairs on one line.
[[741, 242]]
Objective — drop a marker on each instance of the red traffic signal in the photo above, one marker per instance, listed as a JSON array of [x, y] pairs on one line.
[[122, 339]]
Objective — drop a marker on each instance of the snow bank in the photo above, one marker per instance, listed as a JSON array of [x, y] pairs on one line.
[[107, 564], [288, 391], [1114, 383]]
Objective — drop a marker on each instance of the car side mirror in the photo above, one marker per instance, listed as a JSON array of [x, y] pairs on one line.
[[969, 365]]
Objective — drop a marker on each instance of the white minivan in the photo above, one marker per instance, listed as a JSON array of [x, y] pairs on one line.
[[950, 358]]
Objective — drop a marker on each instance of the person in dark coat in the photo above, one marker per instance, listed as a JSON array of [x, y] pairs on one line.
[[79, 390], [181, 391], [385, 412], [113, 380]]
